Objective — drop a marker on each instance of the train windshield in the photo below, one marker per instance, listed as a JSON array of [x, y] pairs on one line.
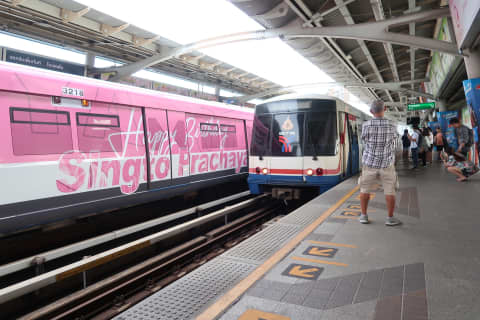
[[292, 129]]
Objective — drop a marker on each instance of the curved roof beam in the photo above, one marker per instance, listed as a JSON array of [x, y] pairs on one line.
[[392, 86], [371, 31]]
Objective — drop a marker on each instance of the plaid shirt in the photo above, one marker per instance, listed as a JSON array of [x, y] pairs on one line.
[[379, 137]]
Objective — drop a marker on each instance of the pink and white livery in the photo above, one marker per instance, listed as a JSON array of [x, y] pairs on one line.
[[72, 145]]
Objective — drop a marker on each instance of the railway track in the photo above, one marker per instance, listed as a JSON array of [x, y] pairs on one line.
[[86, 288]]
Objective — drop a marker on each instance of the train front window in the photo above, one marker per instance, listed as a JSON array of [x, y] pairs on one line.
[[287, 135], [321, 134], [261, 135]]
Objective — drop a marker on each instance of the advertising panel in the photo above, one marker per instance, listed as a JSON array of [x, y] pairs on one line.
[[472, 95], [466, 20]]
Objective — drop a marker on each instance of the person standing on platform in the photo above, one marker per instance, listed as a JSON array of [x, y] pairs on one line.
[[379, 136], [423, 146], [406, 144], [414, 139], [438, 142], [464, 137]]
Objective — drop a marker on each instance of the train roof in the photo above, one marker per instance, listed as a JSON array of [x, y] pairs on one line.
[[343, 105], [26, 79]]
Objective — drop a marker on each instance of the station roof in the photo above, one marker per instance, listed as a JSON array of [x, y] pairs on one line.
[[72, 24]]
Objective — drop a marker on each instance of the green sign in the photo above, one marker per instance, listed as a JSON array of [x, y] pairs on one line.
[[421, 106]]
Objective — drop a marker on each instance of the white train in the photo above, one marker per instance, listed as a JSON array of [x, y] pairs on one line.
[[303, 142]]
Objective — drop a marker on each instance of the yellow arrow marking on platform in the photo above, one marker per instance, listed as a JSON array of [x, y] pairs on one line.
[[304, 273], [320, 252], [354, 206], [253, 314], [333, 244], [320, 261], [351, 213]]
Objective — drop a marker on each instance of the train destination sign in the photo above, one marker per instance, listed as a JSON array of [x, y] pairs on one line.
[[421, 106]]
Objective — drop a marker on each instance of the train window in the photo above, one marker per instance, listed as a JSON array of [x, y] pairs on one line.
[[261, 135], [208, 127], [227, 128], [229, 136], [36, 132], [287, 135], [99, 132], [321, 133], [210, 136]]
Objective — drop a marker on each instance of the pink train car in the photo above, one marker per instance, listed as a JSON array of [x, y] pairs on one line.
[[72, 145]]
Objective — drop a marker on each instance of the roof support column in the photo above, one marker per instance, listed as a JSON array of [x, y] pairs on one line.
[[442, 105], [472, 63], [89, 62]]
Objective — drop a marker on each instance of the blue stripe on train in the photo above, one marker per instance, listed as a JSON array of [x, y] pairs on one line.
[[257, 181]]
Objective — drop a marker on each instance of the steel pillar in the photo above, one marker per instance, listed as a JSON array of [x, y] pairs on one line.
[[472, 63], [442, 105]]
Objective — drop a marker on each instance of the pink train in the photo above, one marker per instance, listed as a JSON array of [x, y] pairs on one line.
[[73, 145]]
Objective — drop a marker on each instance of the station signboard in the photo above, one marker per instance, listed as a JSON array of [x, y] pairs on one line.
[[43, 62], [421, 106]]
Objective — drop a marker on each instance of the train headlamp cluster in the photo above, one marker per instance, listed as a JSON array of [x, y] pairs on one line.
[[311, 172], [264, 170]]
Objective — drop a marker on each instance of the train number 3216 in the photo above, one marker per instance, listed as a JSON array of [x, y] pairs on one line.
[[72, 92]]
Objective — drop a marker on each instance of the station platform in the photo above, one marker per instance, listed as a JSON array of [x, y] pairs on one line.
[[319, 262]]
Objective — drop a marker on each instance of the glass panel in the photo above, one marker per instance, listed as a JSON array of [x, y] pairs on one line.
[[99, 132], [321, 133], [287, 130], [37, 132], [261, 135]]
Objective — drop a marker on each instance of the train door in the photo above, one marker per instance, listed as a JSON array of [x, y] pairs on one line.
[[344, 144], [354, 150], [180, 159], [158, 148]]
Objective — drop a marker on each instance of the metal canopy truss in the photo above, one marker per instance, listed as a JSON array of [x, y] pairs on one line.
[[354, 41], [71, 24], [373, 31], [391, 86]]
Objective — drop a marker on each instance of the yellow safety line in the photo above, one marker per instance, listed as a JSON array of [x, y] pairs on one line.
[[325, 243], [231, 296], [320, 261]]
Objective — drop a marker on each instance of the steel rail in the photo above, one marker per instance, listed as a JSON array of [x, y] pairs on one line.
[[28, 262], [57, 275]]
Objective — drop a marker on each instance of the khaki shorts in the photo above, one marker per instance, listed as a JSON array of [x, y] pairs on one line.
[[371, 177]]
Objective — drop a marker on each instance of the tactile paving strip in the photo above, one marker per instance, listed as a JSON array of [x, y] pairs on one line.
[[264, 244], [187, 296], [303, 217]]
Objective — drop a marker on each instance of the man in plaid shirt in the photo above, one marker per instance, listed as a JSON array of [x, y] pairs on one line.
[[379, 137]]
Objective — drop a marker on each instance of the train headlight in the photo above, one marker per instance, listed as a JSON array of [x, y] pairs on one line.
[[309, 172], [265, 171], [258, 170], [319, 171]]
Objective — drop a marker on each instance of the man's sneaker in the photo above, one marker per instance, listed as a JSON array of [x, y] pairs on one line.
[[392, 221], [364, 219]]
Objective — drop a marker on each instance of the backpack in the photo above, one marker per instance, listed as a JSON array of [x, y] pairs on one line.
[[406, 141]]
